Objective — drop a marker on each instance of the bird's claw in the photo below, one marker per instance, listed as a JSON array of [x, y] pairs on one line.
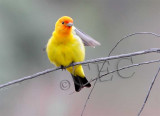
[[62, 67]]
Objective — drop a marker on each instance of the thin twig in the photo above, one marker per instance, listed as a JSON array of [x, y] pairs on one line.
[[85, 62], [88, 98], [125, 67], [150, 88], [137, 33], [90, 91]]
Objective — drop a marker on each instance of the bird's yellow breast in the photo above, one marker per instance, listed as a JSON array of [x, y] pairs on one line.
[[63, 50]]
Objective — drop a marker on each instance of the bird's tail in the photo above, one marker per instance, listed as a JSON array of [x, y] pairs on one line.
[[80, 82]]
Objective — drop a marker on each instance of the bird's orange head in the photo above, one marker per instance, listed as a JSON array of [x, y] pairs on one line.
[[64, 25]]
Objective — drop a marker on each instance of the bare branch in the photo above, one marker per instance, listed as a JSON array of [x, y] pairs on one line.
[[29, 77], [137, 33], [119, 56], [85, 62]]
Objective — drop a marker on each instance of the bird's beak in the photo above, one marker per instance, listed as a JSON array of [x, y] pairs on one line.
[[69, 24]]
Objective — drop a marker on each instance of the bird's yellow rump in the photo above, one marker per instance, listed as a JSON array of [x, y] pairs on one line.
[[66, 46]]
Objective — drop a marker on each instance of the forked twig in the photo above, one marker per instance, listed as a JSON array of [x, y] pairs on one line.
[[137, 33]]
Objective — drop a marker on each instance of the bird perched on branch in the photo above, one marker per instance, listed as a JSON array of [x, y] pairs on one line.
[[66, 46]]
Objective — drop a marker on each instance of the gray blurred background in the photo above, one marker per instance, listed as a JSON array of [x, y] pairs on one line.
[[26, 26]]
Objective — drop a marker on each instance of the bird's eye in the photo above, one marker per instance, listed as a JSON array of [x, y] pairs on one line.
[[63, 22]]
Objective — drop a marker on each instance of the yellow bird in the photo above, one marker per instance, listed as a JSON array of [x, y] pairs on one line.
[[66, 46]]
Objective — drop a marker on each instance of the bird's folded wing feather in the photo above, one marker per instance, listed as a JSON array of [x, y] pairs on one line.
[[87, 40]]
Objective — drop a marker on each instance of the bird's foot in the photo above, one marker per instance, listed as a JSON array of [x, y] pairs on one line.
[[62, 67]]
